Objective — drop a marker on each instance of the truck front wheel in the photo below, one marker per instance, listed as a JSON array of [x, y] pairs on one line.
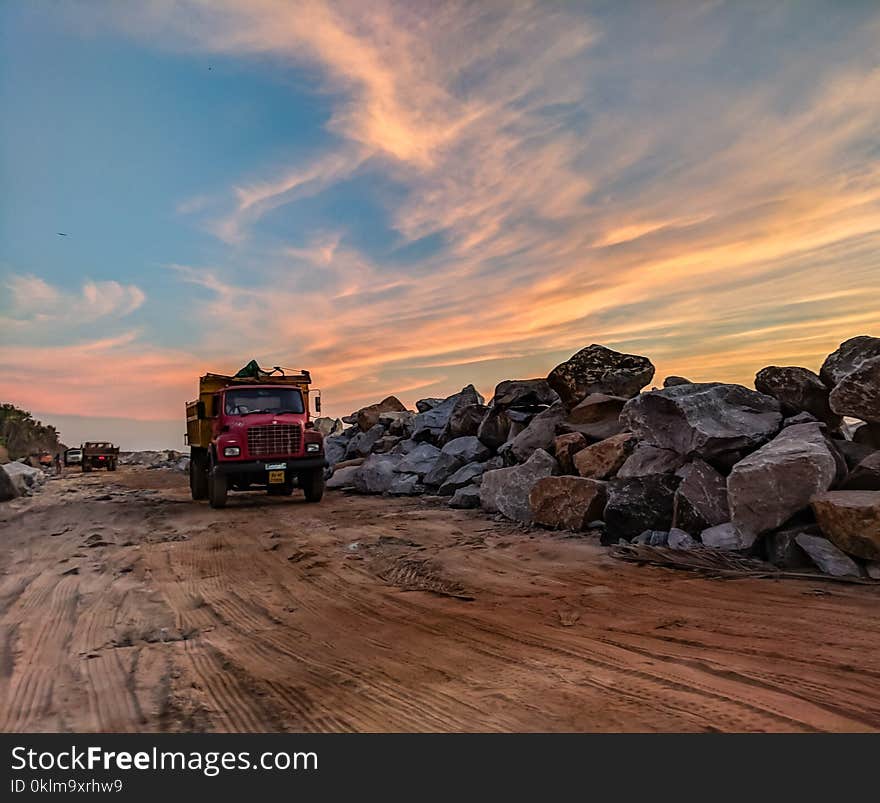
[[312, 483], [198, 475], [218, 488]]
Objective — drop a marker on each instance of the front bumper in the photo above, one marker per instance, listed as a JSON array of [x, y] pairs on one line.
[[254, 468]]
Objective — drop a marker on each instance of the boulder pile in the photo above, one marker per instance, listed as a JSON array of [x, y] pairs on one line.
[[166, 458], [19, 479], [788, 471]]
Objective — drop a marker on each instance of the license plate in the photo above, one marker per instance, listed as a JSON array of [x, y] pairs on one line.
[[276, 477], [276, 466]]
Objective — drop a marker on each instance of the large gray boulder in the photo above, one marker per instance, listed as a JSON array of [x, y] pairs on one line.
[[465, 420], [466, 498], [523, 394], [406, 485], [431, 424], [828, 557], [797, 390], [419, 460], [329, 426], [701, 498], [25, 479], [376, 474], [848, 356], [363, 443], [727, 536], [539, 434], [769, 486], [567, 503], [423, 405], [506, 490], [646, 460], [8, 489], [858, 393], [336, 446], [597, 369], [454, 455], [494, 429], [714, 421], [597, 417], [342, 478], [469, 474], [636, 504]]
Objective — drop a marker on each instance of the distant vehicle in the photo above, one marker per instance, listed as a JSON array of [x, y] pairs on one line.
[[253, 429], [73, 457], [99, 454], [45, 460]]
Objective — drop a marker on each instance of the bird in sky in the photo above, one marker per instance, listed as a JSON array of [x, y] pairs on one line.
[[61, 234]]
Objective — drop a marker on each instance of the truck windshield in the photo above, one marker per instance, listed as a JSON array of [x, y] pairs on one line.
[[263, 400]]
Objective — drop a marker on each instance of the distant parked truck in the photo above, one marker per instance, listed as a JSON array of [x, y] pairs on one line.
[[99, 454], [253, 430]]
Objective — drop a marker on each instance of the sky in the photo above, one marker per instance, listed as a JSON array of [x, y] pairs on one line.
[[408, 197]]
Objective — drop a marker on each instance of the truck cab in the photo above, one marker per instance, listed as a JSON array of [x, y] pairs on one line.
[[254, 431]]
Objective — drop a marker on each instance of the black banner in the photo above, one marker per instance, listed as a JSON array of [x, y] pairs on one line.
[[134, 767]]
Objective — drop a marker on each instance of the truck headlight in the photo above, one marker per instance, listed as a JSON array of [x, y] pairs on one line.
[[231, 451], [313, 447]]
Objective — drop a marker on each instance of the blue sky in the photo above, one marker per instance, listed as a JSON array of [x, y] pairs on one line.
[[407, 197]]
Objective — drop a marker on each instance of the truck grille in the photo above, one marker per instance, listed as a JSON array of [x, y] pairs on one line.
[[274, 440]]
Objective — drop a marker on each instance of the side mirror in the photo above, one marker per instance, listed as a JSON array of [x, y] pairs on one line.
[[317, 404], [200, 410]]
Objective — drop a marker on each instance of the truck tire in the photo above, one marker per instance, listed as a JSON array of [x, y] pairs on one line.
[[86, 465], [198, 475], [218, 488], [312, 483]]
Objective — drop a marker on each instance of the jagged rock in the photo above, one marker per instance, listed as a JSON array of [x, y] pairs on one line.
[[867, 435], [652, 538], [419, 460], [24, 478], [701, 498], [454, 455], [602, 460], [363, 443], [342, 478], [523, 394], [858, 393], [506, 490], [597, 369], [465, 420], [565, 447], [636, 504], [672, 381], [848, 356], [714, 421], [597, 417], [494, 428], [726, 536], [800, 418], [827, 557], [329, 426], [466, 498], [398, 422], [851, 520], [431, 424], [567, 503], [386, 443], [8, 490], [679, 539], [522, 417], [376, 475], [423, 405], [646, 460], [406, 485], [539, 434], [769, 486], [469, 474], [407, 446], [355, 461], [853, 453], [865, 476], [782, 549], [797, 390], [367, 417]]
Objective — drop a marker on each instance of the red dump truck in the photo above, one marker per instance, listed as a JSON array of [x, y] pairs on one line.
[[252, 430], [99, 454]]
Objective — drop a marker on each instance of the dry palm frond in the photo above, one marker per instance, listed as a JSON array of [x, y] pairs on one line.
[[716, 563]]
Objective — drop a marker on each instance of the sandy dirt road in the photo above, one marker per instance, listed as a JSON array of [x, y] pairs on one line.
[[124, 606]]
